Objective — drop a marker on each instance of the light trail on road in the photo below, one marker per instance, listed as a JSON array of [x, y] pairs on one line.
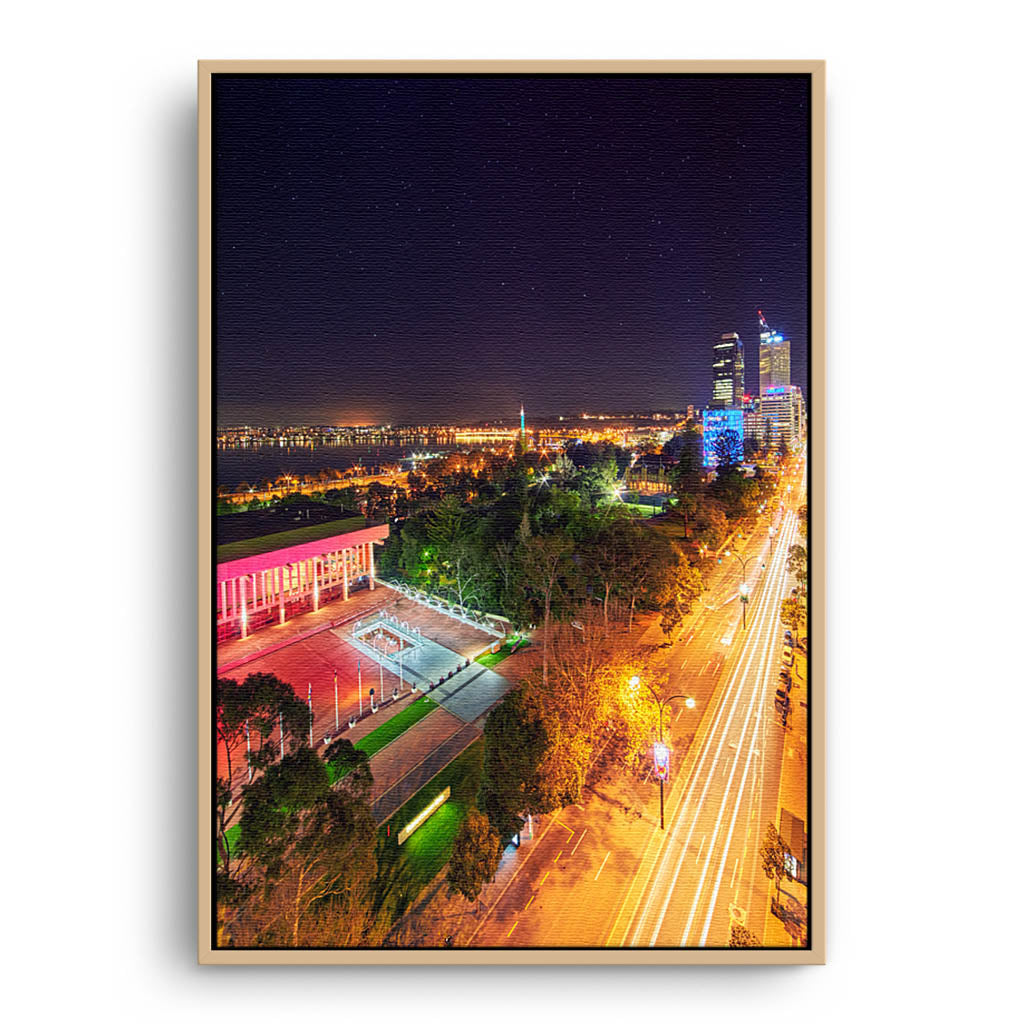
[[736, 729]]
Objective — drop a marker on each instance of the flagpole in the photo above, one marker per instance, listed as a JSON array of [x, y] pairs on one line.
[[335, 698], [248, 759], [280, 729], [309, 698], [359, 669]]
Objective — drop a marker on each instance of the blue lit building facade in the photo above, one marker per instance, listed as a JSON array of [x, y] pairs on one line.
[[716, 423]]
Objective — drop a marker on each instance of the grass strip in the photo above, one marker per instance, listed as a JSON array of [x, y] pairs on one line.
[[403, 871], [489, 660]]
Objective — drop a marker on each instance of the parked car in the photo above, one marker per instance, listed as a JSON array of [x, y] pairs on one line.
[[787, 656]]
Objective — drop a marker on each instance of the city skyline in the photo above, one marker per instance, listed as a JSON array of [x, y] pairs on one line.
[[415, 249]]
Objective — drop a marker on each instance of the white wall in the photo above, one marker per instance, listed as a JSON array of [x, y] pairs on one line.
[[98, 320]]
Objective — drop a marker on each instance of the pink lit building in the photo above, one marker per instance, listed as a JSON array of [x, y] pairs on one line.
[[273, 576]]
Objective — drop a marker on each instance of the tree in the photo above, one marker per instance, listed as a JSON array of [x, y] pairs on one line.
[[793, 614], [680, 585], [544, 564], [797, 564], [740, 937], [351, 767], [463, 569], [775, 856], [728, 451], [715, 527], [314, 856], [248, 714], [516, 740], [476, 854], [610, 556], [445, 524]]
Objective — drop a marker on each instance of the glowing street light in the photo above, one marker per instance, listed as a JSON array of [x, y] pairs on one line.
[[661, 751]]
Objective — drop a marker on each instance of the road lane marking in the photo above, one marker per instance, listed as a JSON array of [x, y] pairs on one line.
[[601, 868], [511, 930], [725, 706], [557, 855], [763, 671], [533, 848], [528, 902], [545, 878], [738, 680], [578, 841], [735, 867], [701, 850], [571, 832]]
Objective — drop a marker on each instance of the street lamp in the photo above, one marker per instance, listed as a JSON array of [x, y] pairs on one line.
[[744, 596], [661, 752], [771, 541], [744, 589]]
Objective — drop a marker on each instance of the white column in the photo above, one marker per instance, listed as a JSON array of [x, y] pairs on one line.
[[245, 616], [369, 549], [344, 575], [280, 590], [223, 609], [316, 589]]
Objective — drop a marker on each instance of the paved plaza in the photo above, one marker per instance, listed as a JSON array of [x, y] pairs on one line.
[[311, 650]]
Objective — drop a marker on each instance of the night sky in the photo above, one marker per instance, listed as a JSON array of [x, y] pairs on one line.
[[429, 248]]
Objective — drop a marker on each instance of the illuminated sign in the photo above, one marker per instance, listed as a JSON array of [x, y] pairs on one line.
[[424, 814], [661, 758]]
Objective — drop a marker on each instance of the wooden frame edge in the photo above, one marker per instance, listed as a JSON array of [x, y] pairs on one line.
[[815, 953]]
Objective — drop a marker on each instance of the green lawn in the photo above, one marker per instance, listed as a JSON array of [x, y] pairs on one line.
[[642, 510], [394, 727], [390, 730], [489, 660], [232, 837], [402, 871]]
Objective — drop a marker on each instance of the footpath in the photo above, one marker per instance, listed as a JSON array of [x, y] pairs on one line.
[[791, 820]]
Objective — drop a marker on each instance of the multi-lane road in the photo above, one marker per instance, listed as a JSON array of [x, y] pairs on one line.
[[704, 870], [604, 874]]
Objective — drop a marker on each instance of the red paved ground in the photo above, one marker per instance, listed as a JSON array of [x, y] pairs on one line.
[[312, 661]]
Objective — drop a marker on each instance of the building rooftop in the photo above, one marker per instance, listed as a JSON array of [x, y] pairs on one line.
[[243, 534]]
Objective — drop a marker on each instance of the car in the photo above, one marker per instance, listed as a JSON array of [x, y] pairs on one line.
[[788, 634], [787, 656], [786, 683], [787, 641]]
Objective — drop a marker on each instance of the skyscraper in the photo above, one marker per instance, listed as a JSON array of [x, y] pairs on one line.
[[727, 373], [774, 361], [782, 414]]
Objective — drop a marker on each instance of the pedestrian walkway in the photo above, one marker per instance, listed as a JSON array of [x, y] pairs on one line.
[[402, 775], [791, 807], [233, 654], [470, 692]]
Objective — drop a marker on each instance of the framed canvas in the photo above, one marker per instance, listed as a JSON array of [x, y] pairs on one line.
[[511, 477]]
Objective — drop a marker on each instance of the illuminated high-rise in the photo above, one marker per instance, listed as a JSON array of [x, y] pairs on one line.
[[727, 373], [774, 361], [782, 415]]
